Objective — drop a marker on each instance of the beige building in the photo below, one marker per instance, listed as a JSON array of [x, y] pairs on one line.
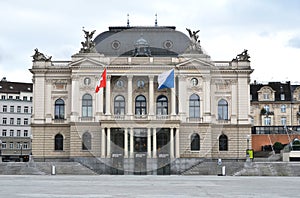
[[130, 126]]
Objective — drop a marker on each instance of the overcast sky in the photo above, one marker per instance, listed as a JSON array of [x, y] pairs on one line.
[[269, 29]]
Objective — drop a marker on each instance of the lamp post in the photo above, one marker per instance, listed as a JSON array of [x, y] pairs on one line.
[[21, 153], [0, 151], [247, 151]]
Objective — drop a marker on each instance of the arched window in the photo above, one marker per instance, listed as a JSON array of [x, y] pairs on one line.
[[59, 142], [140, 105], [194, 106], [87, 105], [222, 110], [59, 112], [162, 105], [119, 105], [86, 141], [223, 143], [195, 142]]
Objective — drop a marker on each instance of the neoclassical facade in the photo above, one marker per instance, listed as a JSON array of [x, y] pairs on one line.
[[130, 126]]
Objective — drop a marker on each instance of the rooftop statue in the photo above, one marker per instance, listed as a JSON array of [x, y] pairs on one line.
[[195, 43], [244, 56], [88, 45], [38, 56]]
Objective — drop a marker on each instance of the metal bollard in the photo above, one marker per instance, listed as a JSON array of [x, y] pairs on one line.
[[53, 171]]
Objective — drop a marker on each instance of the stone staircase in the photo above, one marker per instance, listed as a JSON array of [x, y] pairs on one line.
[[44, 168]]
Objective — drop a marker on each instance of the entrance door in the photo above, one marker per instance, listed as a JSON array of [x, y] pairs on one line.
[[163, 151], [117, 147], [140, 151]]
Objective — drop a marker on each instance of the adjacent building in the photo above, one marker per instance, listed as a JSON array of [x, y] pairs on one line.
[[129, 126], [15, 118], [275, 108]]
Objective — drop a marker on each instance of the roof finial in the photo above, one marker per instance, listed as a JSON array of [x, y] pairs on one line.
[[128, 20], [155, 20]]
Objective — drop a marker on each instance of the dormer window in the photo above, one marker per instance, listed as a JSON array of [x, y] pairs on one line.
[[266, 96]]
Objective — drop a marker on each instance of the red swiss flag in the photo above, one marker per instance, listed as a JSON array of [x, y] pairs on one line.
[[102, 81]]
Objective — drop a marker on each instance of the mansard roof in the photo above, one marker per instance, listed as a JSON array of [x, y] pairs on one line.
[[14, 87], [278, 87], [162, 40]]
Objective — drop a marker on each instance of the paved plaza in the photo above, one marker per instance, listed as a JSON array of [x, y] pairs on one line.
[[147, 186]]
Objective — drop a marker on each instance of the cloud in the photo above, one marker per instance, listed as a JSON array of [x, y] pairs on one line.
[[294, 42]]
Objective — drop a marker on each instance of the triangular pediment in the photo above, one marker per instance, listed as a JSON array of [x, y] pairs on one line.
[[87, 62], [195, 63]]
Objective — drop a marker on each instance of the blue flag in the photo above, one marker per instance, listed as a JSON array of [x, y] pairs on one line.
[[166, 79]]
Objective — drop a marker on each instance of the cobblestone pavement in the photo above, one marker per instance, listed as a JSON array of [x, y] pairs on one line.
[[12, 186]]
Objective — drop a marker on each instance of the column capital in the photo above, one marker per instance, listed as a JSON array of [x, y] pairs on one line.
[[129, 77], [151, 77]]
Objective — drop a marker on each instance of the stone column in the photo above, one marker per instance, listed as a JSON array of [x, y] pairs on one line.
[[149, 143], [206, 100], [151, 96], [108, 95], [182, 98], [126, 143], [177, 148], [172, 143], [103, 138], [173, 99], [131, 142], [74, 102], [129, 95], [48, 102], [154, 143], [108, 143]]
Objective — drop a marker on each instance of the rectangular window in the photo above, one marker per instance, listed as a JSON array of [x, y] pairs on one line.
[[18, 121], [12, 109], [282, 97], [18, 145], [18, 109], [25, 109], [3, 145], [17, 97], [10, 97], [25, 145], [267, 121], [4, 120], [266, 96], [283, 108], [11, 121], [2, 97], [283, 121], [31, 98], [25, 98], [4, 108], [11, 133], [11, 145], [25, 133], [4, 132], [18, 133], [25, 121]]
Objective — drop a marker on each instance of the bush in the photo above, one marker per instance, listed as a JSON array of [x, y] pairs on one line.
[[277, 147]]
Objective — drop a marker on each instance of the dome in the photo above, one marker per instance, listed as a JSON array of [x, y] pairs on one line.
[[161, 40]]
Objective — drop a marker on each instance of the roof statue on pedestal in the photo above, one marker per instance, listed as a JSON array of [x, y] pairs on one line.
[[195, 43], [88, 45], [244, 56], [38, 56]]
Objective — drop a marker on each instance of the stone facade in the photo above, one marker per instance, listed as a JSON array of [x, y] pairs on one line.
[[130, 125]]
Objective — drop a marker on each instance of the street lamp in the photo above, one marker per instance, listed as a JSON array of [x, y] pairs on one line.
[[0, 151], [21, 153]]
